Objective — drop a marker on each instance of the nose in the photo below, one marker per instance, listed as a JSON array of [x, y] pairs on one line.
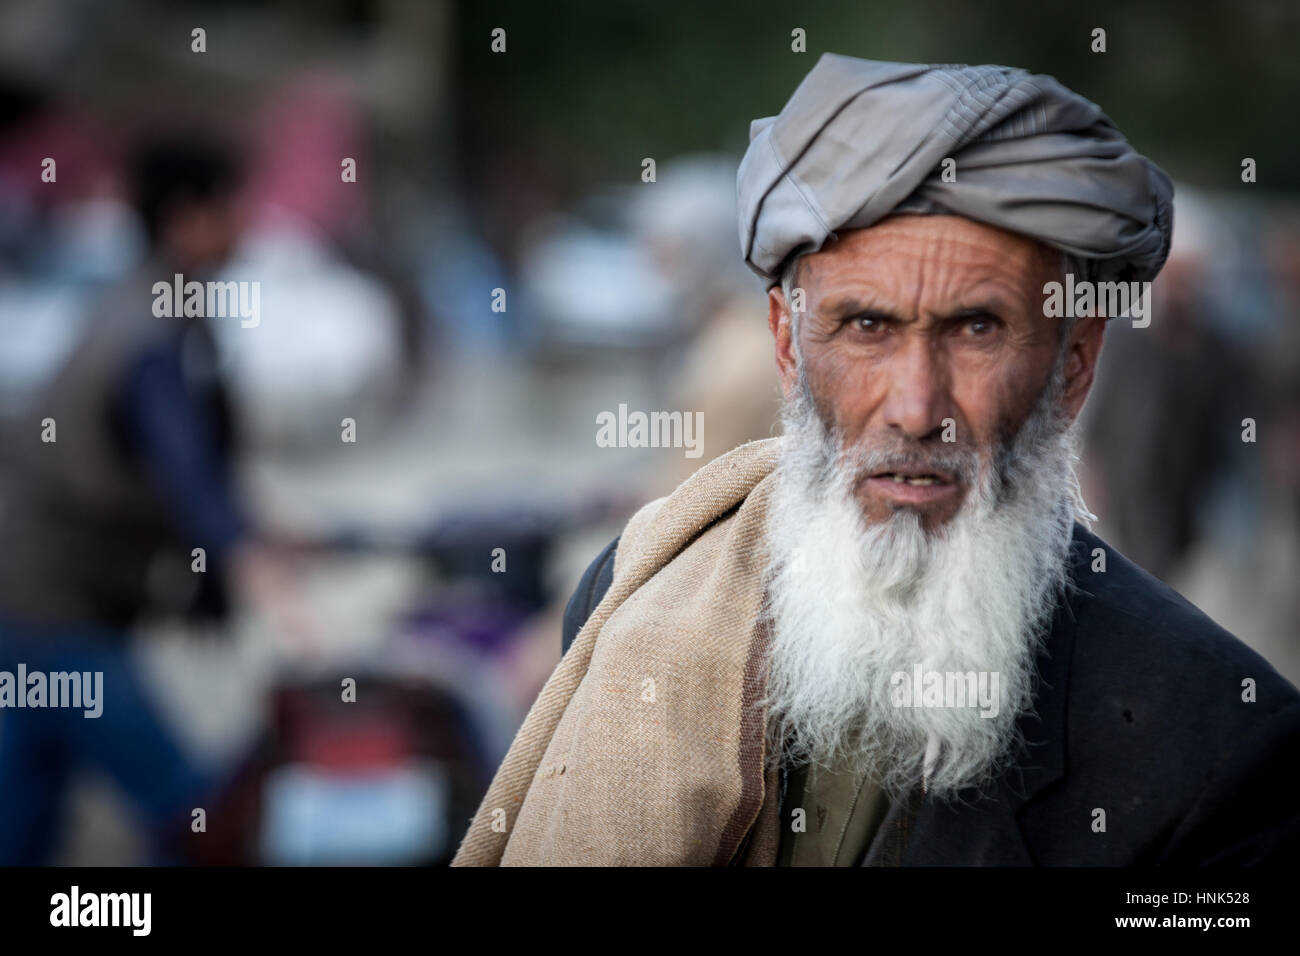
[[918, 398]]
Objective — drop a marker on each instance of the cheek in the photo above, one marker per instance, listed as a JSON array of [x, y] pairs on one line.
[[843, 387], [996, 398]]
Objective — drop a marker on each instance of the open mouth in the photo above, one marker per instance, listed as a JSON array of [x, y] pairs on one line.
[[917, 477], [916, 480], [914, 487]]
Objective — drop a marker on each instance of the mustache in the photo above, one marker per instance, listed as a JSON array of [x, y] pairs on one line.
[[801, 414], [893, 453]]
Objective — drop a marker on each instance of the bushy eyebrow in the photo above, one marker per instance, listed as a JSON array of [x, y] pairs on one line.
[[989, 311], [852, 306]]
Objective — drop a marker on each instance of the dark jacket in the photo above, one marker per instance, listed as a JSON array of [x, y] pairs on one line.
[[91, 536], [1139, 712]]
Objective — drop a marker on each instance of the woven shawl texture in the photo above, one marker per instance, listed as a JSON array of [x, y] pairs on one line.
[[645, 747]]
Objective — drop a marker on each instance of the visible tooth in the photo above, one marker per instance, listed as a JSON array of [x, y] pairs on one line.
[[899, 479], [920, 481]]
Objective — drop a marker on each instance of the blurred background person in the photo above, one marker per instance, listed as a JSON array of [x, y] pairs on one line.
[[1164, 420], [102, 522], [1245, 568], [724, 369]]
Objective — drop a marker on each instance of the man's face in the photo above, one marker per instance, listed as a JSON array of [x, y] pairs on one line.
[[202, 235], [922, 328], [917, 330]]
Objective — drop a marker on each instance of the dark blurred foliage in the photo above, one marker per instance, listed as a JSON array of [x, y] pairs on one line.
[[608, 84]]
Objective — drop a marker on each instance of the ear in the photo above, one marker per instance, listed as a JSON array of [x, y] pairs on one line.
[[778, 321], [1081, 362]]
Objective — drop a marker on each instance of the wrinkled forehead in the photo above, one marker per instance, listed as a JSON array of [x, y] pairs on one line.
[[911, 237], [933, 256]]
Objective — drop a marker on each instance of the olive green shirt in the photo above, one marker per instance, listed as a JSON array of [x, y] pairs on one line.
[[841, 811]]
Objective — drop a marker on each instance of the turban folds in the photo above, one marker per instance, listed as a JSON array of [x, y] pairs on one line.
[[860, 140]]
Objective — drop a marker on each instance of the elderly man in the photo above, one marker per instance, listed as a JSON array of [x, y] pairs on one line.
[[887, 637]]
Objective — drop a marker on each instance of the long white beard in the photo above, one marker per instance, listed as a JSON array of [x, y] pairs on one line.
[[853, 605]]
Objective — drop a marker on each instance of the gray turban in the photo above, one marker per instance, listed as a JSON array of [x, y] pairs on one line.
[[860, 140]]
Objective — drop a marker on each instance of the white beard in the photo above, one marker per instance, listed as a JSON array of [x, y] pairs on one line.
[[852, 605]]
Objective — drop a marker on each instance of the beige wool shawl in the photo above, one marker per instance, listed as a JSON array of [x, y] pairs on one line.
[[646, 745]]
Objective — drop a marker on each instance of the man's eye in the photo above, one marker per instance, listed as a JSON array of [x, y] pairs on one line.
[[980, 326], [869, 324]]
